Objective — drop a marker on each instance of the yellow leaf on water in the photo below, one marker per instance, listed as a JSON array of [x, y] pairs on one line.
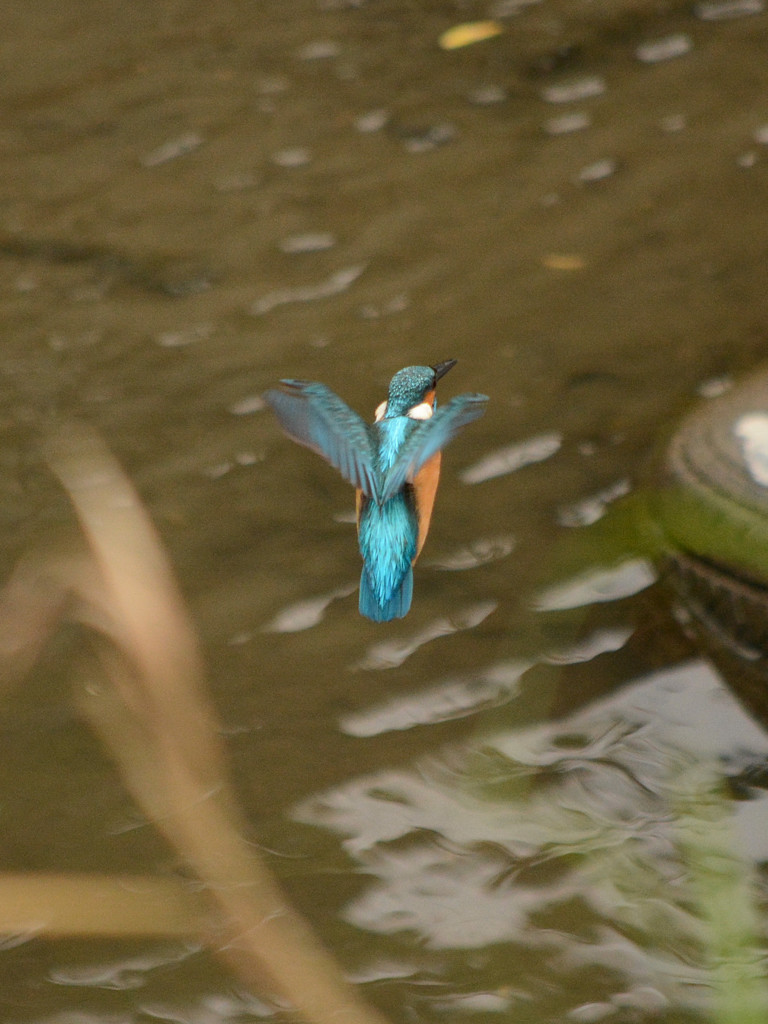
[[469, 32]]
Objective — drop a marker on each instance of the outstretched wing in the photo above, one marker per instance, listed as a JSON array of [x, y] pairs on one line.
[[430, 437], [313, 415]]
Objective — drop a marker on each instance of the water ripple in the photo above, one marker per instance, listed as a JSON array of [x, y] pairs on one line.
[[335, 284], [574, 89], [479, 552], [512, 457], [450, 699], [656, 51], [562, 837], [305, 614], [725, 10], [119, 975], [597, 586], [589, 510], [392, 653]]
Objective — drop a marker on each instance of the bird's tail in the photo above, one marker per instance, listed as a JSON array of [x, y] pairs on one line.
[[395, 608]]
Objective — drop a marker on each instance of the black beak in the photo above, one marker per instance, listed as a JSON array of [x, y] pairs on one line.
[[442, 368]]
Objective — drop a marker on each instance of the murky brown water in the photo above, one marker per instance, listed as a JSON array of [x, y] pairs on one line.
[[198, 199]]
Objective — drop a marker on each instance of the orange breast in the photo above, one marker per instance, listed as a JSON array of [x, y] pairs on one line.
[[425, 488]]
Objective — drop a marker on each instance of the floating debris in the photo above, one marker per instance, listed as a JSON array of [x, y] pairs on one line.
[[372, 121], [172, 149], [468, 33], [658, 50], [724, 10], [574, 89], [513, 457], [567, 123], [748, 159], [333, 285], [760, 135], [598, 171], [316, 241], [297, 156]]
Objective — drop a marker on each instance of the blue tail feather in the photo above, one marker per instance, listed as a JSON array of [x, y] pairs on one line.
[[395, 608]]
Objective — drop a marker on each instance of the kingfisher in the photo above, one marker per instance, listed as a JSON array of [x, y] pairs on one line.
[[393, 463]]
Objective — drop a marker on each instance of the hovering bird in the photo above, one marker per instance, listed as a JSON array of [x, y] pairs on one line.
[[394, 464]]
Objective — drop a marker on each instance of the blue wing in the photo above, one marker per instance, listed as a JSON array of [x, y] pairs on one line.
[[313, 415], [429, 438]]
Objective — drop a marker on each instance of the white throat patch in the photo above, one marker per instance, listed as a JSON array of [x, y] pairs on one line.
[[423, 411]]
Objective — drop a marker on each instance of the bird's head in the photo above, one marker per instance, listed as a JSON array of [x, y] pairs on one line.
[[412, 391]]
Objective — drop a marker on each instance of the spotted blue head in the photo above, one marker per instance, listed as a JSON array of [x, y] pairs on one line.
[[411, 389]]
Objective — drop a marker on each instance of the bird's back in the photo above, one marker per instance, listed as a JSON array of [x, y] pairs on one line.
[[388, 534]]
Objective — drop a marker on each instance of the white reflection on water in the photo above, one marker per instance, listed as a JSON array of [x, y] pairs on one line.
[[335, 284], [589, 510], [172, 149], [725, 10], [307, 613], [657, 50], [597, 586], [574, 89], [601, 641], [752, 431], [475, 1002], [308, 242], [391, 653], [479, 552], [129, 973], [445, 842], [567, 123], [452, 698], [598, 171], [214, 1009], [512, 457]]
